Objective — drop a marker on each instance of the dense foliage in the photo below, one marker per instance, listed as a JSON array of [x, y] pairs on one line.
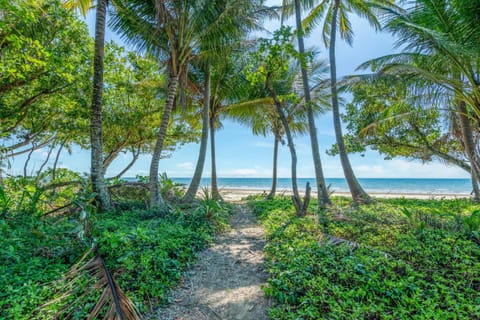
[[60, 89], [146, 249], [402, 258]]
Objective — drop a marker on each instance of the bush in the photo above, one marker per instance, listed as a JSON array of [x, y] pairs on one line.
[[400, 269], [145, 250]]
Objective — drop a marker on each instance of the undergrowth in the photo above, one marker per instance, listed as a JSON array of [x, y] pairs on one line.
[[146, 250], [416, 259]]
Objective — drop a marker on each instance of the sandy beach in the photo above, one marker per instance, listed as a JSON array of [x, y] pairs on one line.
[[236, 194]]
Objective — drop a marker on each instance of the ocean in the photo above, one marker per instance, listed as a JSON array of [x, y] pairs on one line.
[[374, 185]]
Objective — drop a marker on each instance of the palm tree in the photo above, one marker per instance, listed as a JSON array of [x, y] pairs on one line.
[[230, 91], [97, 171], [174, 31], [269, 66], [247, 16], [323, 198], [440, 55], [164, 28], [262, 115], [336, 19]]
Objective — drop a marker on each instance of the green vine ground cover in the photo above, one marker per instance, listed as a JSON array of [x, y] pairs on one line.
[[416, 259], [147, 252]]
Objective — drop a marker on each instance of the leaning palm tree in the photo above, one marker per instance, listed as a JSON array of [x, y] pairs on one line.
[[97, 172], [269, 66], [262, 115], [247, 17], [174, 31], [336, 20], [157, 27], [323, 198], [442, 58], [229, 92]]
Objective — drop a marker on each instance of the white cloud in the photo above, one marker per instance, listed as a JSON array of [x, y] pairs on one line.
[[185, 165], [401, 168], [245, 173], [263, 144]]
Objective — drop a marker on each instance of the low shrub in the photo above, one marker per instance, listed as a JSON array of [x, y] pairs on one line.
[[399, 270], [146, 251]]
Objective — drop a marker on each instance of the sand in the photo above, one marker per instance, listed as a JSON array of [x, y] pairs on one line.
[[236, 194], [226, 281]]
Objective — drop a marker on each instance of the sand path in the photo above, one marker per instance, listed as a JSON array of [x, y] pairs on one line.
[[225, 282]]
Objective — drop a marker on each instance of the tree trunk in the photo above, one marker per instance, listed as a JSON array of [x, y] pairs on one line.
[[107, 161], [25, 166], [197, 176], [215, 192], [469, 147], [98, 181], [358, 194], [155, 197], [57, 157], [135, 154], [297, 202], [271, 195], [323, 197], [1, 171], [45, 162]]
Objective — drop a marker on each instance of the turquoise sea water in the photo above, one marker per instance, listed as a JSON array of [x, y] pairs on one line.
[[422, 186]]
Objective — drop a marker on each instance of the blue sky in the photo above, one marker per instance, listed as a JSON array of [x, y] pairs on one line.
[[240, 154]]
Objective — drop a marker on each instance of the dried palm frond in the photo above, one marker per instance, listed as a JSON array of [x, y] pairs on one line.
[[112, 303]]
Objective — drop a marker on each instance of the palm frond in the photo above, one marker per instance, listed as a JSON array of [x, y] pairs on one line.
[[85, 278]]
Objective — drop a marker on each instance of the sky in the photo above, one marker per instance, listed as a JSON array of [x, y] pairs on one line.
[[241, 154]]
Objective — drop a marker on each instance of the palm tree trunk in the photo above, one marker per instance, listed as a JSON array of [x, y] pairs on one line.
[[155, 197], [469, 147], [358, 194], [297, 202], [215, 192], [98, 181], [271, 195], [197, 176], [323, 197]]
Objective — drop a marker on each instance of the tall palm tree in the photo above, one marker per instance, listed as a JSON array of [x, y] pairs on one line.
[[440, 55], [168, 30], [336, 20], [175, 31], [323, 198], [229, 92], [247, 17], [96, 170], [197, 175], [269, 66], [262, 117]]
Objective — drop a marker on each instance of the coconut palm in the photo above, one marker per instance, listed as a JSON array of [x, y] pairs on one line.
[[323, 198], [269, 67], [229, 92], [263, 118], [174, 31], [247, 17], [442, 58], [335, 14], [96, 170]]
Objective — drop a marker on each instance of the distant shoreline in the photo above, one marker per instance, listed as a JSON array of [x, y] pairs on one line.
[[236, 194]]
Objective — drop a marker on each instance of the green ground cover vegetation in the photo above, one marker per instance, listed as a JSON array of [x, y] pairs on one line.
[[145, 250], [403, 259]]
